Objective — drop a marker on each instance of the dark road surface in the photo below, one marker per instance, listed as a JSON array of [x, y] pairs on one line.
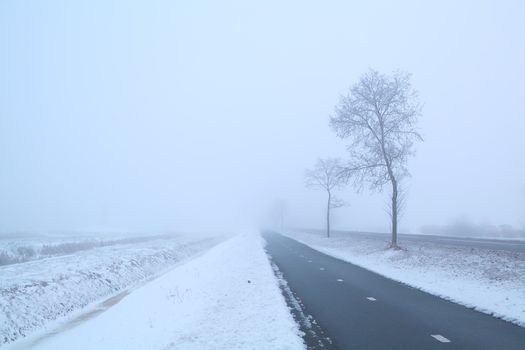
[[359, 309]]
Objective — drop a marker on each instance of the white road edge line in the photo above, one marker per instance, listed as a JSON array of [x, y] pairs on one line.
[[440, 338], [371, 298]]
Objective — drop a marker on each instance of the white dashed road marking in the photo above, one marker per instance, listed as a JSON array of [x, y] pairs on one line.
[[321, 268], [440, 338], [371, 298], [309, 260], [339, 280]]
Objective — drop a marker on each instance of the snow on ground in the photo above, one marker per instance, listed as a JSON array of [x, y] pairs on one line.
[[228, 298], [37, 294], [19, 248], [491, 281]]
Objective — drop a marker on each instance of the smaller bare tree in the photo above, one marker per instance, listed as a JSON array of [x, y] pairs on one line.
[[326, 175], [278, 214]]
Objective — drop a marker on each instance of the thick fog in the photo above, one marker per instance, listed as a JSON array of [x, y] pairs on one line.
[[199, 115]]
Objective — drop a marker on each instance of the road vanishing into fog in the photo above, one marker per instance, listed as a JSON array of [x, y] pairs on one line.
[[481, 243], [358, 309]]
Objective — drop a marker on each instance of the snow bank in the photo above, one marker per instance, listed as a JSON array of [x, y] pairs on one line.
[[490, 281], [227, 298], [37, 293]]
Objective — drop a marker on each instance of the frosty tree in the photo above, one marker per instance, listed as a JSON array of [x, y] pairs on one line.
[[379, 117], [326, 175]]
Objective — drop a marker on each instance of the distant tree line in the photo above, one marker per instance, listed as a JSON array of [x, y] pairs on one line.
[[466, 228]]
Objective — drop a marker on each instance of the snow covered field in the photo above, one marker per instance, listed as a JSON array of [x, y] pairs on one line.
[[18, 248], [62, 276], [491, 281], [227, 298]]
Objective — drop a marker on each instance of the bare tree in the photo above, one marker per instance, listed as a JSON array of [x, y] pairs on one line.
[[278, 212], [379, 116], [326, 176]]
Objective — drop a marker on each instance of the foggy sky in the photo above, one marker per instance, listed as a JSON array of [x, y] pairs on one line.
[[197, 115]]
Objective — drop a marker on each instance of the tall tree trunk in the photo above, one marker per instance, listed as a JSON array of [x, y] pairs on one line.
[[394, 212], [328, 214], [393, 181], [393, 208]]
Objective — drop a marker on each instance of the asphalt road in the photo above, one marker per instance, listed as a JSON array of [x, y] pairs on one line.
[[482, 243], [359, 309]]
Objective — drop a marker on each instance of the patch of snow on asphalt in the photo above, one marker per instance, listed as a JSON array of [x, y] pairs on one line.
[[228, 298], [490, 281]]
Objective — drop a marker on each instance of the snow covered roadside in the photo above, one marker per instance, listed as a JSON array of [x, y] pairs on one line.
[[490, 281], [228, 298], [37, 295]]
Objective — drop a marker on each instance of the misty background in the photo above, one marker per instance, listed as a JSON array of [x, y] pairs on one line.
[[171, 115]]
